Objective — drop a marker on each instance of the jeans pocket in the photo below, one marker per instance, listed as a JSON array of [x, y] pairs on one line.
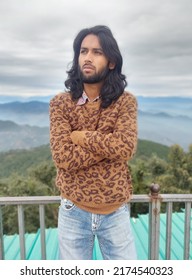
[[123, 208], [67, 204]]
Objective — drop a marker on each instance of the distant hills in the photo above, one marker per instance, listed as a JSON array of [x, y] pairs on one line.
[[14, 136], [171, 106], [31, 107], [165, 120], [33, 113], [24, 99]]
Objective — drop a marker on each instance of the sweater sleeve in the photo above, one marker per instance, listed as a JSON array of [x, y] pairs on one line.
[[122, 141], [65, 153]]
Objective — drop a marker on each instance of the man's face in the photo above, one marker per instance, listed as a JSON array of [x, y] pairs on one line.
[[93, 64]]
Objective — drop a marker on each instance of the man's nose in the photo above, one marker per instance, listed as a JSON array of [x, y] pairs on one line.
[[88, 57]]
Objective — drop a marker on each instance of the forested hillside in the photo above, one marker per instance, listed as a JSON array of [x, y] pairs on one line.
[[20, 160]]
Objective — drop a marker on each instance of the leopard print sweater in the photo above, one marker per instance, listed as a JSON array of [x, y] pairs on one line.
[[90, 148]]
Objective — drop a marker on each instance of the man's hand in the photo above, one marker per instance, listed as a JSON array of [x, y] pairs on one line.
[[77, 136]]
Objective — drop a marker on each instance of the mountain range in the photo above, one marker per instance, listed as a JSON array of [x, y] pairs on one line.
[[25, 123]]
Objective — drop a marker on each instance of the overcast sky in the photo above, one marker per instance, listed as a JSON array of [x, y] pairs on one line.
[[154, 36]]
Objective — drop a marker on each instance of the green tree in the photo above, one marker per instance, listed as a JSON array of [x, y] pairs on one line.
[[179, 167], [19, 185], [157, 166], [45, 173]]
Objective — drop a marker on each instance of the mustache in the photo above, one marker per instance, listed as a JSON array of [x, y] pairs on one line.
[[88, 65]]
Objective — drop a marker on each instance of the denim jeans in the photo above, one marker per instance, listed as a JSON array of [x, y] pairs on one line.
[[77, 229]]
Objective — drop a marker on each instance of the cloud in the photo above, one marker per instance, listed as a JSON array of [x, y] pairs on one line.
[[154, 37]]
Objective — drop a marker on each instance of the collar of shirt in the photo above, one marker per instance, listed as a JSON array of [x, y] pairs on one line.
[[84, 98]]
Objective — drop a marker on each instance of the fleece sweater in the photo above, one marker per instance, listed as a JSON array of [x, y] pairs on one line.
[[90, 148]]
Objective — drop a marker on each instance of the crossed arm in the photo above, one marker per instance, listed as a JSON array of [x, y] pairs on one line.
[[72, 150], [65, 153], [121, 142]]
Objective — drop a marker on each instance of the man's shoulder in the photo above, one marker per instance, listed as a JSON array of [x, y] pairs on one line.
[[127, 96], [62, 99], [62, 96]]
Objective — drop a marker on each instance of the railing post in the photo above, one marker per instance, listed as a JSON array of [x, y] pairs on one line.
[[21, 231], [154, 222], [187, 231], [1, 236], [42, 229], [169, 210]]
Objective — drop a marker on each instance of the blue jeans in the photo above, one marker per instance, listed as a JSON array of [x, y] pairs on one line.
[[77, 229]]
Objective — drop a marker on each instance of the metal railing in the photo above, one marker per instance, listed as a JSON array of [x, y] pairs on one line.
[[154, 199]]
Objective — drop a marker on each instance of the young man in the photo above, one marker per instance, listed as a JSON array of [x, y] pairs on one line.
[[93, 133]]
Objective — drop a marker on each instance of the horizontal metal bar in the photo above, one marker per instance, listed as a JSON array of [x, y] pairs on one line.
[[176, 197], [15, 200]]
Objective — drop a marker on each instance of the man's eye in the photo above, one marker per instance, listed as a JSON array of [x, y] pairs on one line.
[[98, 52], [82, 51]]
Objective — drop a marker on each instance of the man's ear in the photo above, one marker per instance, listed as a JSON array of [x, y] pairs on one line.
[[111, 65]]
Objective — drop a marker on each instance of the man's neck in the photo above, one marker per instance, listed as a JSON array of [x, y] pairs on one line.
[[92, 90]]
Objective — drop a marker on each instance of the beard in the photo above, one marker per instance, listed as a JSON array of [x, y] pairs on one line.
[[95, 78]]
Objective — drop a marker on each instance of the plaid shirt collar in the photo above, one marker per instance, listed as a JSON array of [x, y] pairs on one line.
[[84, 98]]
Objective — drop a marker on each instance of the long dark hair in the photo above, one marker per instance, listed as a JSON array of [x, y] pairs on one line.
[[115, 81]]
